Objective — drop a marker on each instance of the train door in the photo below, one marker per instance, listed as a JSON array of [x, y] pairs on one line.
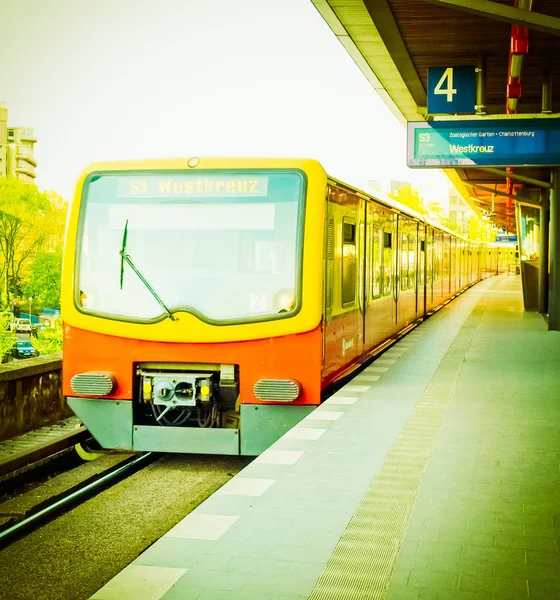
[[345, 238], [352, 269], [460, 263], [476, 271], [446, 288], [484, 261], [414, 266], [453, 266], [443, 257], [438, 266], [429, 246], [406, 278], [372, 276], [401, 268], [464, 263], [421, 272], [363, 298], [380, 312], [390, 264]]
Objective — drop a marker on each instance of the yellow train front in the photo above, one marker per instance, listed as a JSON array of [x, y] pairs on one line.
[[191, 304], [208, 303]]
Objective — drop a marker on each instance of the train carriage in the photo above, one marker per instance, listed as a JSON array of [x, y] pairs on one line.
[[209, 303]]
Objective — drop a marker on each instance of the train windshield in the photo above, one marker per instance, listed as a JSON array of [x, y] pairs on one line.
[[225, 246]]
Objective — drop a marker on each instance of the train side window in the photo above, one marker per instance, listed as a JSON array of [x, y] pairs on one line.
[[377, 263], [349, 265], [387, 263]]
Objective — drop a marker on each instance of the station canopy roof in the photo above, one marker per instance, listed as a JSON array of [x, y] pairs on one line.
[[394, 42]]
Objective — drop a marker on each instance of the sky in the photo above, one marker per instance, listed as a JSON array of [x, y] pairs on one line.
[[122, 79]]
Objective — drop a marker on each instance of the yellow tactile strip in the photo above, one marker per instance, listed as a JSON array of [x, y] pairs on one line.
[[361, 564]]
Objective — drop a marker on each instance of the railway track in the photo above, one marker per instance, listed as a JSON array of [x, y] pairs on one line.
[[31, 464], [83, 490]]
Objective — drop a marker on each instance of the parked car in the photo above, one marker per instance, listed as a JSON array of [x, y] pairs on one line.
[[24, 350], [21, 326]]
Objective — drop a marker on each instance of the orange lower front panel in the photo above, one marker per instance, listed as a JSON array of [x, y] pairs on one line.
[[295, 357]]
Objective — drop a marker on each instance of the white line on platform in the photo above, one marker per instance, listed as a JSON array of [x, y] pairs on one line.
[[356, 388], [342, 399], [140, 582], [197, 526], [246, 486], [279, 457], [323, 415], [304, 433]]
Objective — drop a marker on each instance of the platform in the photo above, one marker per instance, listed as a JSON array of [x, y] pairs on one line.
[[434, 474]]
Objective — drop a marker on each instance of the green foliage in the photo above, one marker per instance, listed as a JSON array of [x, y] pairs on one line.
[[31, 222], [7, 338], [410, 197], [480, 230], [436, 211], [49, 340], [44, 282]]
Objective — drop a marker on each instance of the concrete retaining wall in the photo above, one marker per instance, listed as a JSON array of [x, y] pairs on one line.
[[31, 395]]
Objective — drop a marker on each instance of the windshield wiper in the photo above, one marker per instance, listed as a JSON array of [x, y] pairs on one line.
[[126, 258]]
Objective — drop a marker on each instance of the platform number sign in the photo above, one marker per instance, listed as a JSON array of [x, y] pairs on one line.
[[451, 90]]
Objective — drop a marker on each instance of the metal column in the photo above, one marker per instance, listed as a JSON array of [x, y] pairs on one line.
[[554, 282], [543, 251]]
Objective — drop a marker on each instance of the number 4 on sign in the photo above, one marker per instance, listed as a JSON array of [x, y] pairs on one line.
[[449, 90]]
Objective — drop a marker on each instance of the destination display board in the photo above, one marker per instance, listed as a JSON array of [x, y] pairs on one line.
[[192, 186], [483, 142], [507, 238]]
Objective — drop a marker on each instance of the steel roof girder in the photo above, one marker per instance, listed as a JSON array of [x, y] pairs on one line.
[[507, 14], [500, 193], [517, 177]]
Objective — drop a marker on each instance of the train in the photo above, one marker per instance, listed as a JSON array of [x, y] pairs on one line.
[[210, 303]]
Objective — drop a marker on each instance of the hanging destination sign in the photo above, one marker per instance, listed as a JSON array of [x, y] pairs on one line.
[[483, 142]]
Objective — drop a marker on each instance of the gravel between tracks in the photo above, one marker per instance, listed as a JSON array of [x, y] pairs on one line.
[[71, 557]]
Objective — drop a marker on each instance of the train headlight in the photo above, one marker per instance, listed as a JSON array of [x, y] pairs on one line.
[[84, 300], [286, 302], [147, 390]]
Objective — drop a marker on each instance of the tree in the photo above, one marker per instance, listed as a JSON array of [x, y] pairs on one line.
[[480, 230], [410, 197], [44, 281], [436, 211], [7, 338], [49, 340], [30, 221]]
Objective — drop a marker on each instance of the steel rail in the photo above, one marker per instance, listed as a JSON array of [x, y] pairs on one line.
[[8, 534]]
